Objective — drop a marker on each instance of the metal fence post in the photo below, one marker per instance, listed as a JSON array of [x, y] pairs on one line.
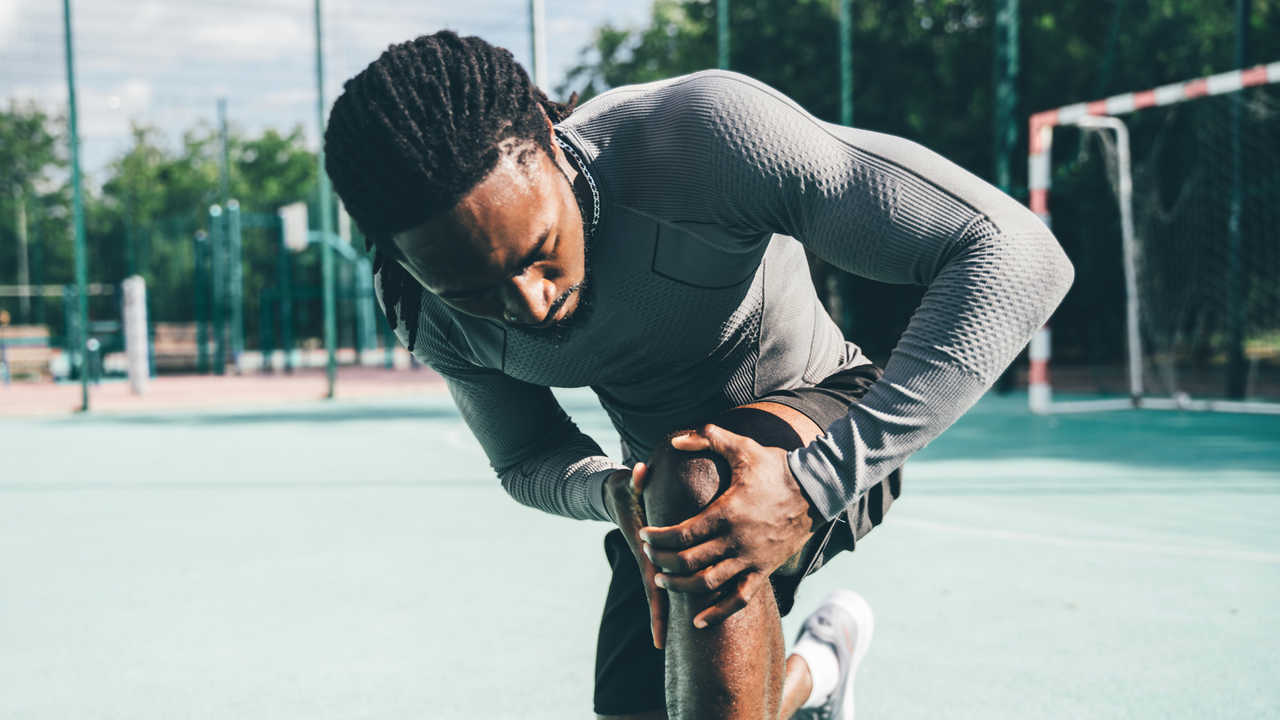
[[235, 285], [218, 281], [77, 194]]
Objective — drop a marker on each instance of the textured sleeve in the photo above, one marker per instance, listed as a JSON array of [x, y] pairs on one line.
[[542, 458], [890, 210]]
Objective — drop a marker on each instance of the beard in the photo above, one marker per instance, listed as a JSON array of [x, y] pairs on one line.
[[564, 330]]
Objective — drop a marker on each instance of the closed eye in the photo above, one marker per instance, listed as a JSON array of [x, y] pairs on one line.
[[539, 253]]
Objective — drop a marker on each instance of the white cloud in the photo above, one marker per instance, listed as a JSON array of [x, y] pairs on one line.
[[8, 18], [105, 113], [166, 62], [254, 38]]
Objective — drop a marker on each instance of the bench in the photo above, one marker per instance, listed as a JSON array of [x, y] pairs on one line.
[[26, 351]]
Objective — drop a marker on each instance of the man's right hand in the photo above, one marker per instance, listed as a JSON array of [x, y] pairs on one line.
[[622, 499]]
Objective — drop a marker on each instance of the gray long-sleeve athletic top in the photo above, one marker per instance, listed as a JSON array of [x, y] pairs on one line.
[[711, 186]]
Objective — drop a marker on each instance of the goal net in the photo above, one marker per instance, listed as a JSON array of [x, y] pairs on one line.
[[1170, 200]]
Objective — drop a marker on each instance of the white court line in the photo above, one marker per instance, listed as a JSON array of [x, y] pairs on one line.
[[1067, 542]]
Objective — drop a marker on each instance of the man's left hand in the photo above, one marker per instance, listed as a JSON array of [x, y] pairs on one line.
[[736, 542]]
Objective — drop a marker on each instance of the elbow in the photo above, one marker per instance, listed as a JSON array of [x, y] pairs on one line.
[[1059, 273]]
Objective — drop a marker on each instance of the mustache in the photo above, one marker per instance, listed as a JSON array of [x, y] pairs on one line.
[[564, 298]]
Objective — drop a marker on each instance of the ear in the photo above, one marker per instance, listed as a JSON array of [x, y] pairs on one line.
[[557, 153]]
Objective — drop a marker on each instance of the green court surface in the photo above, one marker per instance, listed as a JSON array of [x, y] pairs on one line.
[[356, 559]]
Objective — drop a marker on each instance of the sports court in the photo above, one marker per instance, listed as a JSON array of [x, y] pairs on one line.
[[252, 561], [232, 485]]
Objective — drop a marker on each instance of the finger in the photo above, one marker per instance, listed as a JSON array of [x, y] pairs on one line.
[[732, 602], [724, 443], [692, 442], [639, 474], [703, 581], [658, 614], [692, 560], [697, 529]]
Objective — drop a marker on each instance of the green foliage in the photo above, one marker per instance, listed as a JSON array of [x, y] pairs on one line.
[[33, 173], [29, 145], [158, 195], [924, 70]]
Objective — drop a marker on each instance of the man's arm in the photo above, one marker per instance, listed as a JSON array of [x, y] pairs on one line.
[[888, 209], [542, 458]]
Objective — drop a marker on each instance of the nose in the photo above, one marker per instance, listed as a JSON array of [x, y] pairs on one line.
[[526, 299]]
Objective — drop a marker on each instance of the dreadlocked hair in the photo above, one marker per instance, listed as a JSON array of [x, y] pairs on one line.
[[415, 132]]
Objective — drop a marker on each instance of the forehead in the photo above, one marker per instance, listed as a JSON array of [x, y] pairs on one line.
[[500, 220]]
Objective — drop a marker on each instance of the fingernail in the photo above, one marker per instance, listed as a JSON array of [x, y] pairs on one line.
[[699, 623], [644, 536], [648, 552], [660, 580]]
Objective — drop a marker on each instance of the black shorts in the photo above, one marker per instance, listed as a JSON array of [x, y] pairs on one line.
[[629, 669]]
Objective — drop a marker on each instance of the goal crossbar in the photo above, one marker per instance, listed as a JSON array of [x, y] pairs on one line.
[[1102, 114]]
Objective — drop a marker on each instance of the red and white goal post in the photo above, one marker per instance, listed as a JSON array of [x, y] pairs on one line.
[[1140, 252]]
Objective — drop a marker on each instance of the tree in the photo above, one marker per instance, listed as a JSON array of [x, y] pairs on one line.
[[157, 196], [33, 198], [923, 71]]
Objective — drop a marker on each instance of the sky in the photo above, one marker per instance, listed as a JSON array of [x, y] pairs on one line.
[[167, 62]]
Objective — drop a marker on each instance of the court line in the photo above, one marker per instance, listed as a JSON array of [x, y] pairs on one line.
[[1080, 543]]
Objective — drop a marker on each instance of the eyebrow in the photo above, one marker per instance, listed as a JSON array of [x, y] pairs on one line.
[[524, 262]]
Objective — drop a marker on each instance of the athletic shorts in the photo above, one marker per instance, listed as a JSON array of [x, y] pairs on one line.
[[629, 669]]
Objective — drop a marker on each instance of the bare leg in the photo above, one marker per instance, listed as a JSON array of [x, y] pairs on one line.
[[795, 691], [797, 687], [735, 669]]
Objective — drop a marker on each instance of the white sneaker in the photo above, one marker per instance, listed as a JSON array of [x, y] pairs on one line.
[[845, 622]]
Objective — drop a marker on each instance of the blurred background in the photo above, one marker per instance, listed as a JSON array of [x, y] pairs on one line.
[[283, 556], [187, 105]]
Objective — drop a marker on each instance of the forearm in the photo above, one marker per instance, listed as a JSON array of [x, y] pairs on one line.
[[980, 311], [567, 481]]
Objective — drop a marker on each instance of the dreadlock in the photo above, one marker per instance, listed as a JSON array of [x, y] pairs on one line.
[[415, 132]]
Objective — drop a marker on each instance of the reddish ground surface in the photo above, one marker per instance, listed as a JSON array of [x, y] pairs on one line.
[[181, 391]]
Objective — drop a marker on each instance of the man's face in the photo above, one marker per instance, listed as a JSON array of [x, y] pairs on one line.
[[511, 250]]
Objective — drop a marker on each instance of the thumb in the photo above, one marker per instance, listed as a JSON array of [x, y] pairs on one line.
[[724, 443], [639, 474]]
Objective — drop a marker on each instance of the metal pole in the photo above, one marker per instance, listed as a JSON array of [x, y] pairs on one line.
[[77, 194], [37, 259], [24, 267], [1129, 247], [722, 33], [130, 252], [538, 40], [1006, 91], [224, 172], [846, 63], [235, 261], [1236, 366], [218, 280], [326, 218], [286, 303], [201, 252], [266, 334]]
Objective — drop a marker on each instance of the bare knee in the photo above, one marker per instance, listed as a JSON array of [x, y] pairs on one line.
[[681, 484]]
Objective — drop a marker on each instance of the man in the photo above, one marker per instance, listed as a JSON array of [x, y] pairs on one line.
[[650, 244]]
